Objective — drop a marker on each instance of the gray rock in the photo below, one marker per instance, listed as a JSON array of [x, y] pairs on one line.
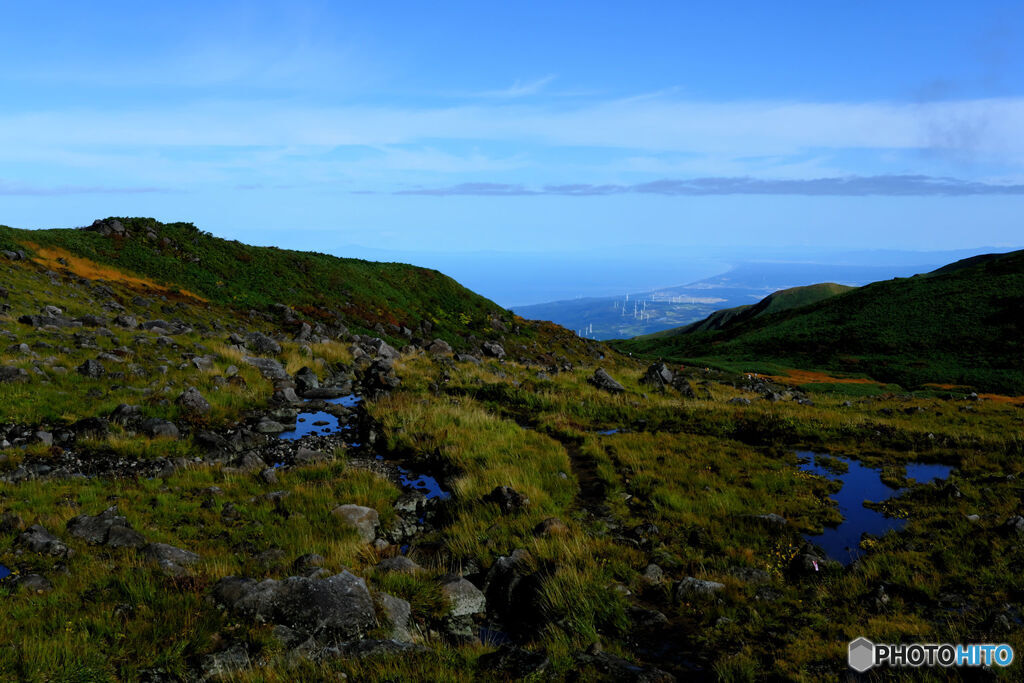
[[306, 456], [306, 380], [602, 380], [9, 373], [154, 427], [35, 583], [467, 358], [513, 663], [691, 587], [226, 662], [268, 367], [268, 426], [398, 563], [657, 376], [507, 498], [493, 349], [397, 613], [192, 401], [91, 368], [334, 609], [363, 519], [464, 598], [170, 559], [37, 539], [439, 347], [106, 528], [257, 342]]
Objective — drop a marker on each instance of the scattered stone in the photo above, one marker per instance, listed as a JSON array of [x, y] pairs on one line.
[[306, 380], [398, 563], [397, 613], [192, 401], [35, 583], [439, 347], [363, 519], [657, 376], [155, 427], [507, 498], [270, 368], [106, 528], [465, 598], [690, 588], [493, 349], [268, 426], [333, 609], [552, 526], [91, 368], [257, 342], [170, 559], [602, 380], [37, 539], [9, 373], [512, 663]]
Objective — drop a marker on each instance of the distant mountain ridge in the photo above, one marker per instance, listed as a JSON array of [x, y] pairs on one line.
[[783, 300], [962, 324]]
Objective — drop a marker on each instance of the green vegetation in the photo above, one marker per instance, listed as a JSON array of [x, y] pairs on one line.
[[959, 325], [615, 482], [241, 276]]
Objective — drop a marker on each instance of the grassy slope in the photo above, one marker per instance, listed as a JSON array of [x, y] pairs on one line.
[[960, 325], [243, 276], [783, 300], [698, 470]]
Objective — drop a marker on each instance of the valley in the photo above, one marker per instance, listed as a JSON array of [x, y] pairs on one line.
[[271, 465]]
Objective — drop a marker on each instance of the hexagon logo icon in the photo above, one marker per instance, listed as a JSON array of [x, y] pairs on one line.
[[862, 655]]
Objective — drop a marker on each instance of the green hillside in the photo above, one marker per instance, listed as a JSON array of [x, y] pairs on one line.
[[961, 324], [360, 293], [783, 300]]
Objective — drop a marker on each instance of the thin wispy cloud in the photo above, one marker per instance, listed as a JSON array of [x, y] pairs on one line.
[[521, 88], [854, 186], [9, 188]]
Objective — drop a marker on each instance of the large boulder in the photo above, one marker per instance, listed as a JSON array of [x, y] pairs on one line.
[[91, 368], [363, 519], [37, 539], [306, 380], [154, 427], [464, 599], [602, 380], [333, 609], [257, 342], [691, 587], [170, 559], [513, 592], [493, 349], [9, 373], [657, 376], [398, 614], [507, 498], [268, 367], [107, 528], [191, 401]]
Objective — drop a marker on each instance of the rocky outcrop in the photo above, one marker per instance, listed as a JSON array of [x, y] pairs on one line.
[[329, 610], [602, 380]]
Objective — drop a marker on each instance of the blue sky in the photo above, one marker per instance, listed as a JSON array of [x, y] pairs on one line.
[[530, 126]]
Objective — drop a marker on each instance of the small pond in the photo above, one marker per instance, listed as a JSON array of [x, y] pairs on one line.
[[320, 422], [4, 572], [861, 483]]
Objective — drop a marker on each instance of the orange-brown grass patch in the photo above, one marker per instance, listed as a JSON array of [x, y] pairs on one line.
[[83, 267], [815, 377]]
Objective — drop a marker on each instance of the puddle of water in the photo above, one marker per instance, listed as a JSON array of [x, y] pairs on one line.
[[350, 401], [861, 483], [304, 425], [423, 483], [304, 422], [609, 432], [926, 473], [4, 572]]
